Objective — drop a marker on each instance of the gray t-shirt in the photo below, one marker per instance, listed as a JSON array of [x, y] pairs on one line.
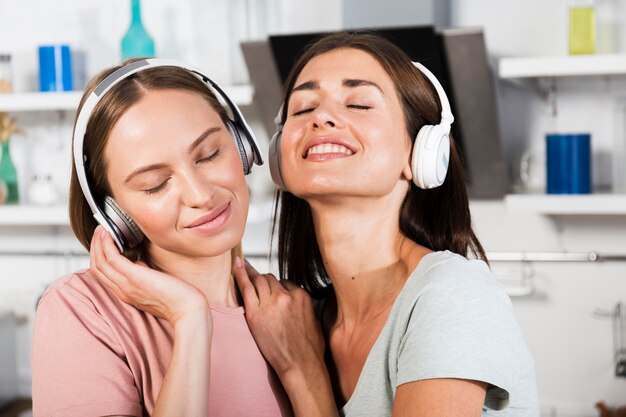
[[452, 319]]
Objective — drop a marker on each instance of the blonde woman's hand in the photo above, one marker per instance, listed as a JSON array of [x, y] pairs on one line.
[[154, 292]]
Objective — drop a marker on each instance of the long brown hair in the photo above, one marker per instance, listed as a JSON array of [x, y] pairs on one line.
[[107, 112], [438, 219]]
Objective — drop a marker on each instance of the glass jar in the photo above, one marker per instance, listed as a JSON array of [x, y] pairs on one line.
[[6, 82], [607, 26], [582, 27]]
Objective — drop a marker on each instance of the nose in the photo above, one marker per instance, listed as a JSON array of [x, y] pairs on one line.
[[326, 115], [195, 189]]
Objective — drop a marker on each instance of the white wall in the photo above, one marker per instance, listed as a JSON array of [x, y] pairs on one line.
[[572, 349]]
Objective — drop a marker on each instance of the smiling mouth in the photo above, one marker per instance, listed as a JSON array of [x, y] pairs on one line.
[[326, 150], [213, 220]]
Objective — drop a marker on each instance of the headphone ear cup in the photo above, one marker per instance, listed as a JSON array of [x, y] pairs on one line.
[[275, 162], [243, 145], [431, 153], [124, 226]]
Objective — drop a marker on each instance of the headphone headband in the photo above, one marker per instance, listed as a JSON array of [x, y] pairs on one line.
[[446, 113], [80, 129]]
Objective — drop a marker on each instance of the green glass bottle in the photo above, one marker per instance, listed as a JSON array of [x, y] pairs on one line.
[[136, 42], [8, 173]]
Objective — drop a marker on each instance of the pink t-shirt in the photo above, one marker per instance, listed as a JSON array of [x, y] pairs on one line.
[[94, 355]]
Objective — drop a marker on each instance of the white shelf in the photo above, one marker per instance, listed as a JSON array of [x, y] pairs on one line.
[[581, 204], [562, 66], [68, 101], [29, 215], [25, 215], [16, 102]]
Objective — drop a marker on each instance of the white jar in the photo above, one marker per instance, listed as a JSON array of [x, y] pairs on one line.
[[42, 191]]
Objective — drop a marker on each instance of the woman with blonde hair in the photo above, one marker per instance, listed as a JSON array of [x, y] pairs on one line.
[[160, 165]]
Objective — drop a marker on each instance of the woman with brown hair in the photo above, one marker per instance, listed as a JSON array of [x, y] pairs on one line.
[[160, 165], [373, 221]]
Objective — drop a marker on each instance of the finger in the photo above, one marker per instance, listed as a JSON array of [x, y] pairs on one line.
[[95, 240], [250, 270], [98, 260], [260, 281], [274, 283], [246, 288], [130, 271], [289, 285], [262, 286]]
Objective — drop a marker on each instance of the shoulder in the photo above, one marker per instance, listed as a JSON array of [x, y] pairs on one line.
[[452, 276], [448, 293], [78, 293]]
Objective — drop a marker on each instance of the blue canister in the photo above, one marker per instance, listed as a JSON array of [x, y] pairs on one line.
[[55, 68], [568, 163]]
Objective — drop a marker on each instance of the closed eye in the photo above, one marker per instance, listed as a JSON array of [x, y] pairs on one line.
[[304, 111], [208, 158], [358, 107], [156, 189]]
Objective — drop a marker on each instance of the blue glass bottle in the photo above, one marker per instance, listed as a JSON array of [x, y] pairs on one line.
[[136, 42]]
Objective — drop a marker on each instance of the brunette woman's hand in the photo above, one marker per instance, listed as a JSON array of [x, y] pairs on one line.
[[154, 292], [281, 317], [282, 320]]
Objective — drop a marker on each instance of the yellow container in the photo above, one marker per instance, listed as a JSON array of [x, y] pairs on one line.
[[582, 30]]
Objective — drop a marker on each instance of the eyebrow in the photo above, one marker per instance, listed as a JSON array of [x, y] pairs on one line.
[[193, 146], [350, 83]]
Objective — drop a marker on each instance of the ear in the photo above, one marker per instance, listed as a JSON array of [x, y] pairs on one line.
[[407, 173]]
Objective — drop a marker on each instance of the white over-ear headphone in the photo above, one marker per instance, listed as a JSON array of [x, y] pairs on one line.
[[109, 214], [431, 150]]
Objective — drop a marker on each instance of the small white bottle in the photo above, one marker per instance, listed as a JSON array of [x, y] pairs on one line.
[[42, 191]]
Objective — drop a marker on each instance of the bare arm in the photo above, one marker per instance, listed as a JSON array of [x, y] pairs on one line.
[[440, 398], [185, 389], [281, 318]]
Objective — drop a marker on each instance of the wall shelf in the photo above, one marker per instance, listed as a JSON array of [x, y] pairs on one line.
[[18, 102], [562, 66], [589, 204], [68, 101], [28, 215]]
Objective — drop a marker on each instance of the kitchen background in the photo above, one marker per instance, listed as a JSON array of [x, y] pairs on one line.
[[569, 311]]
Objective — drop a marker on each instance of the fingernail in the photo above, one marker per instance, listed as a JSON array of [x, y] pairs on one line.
[[238, 262]]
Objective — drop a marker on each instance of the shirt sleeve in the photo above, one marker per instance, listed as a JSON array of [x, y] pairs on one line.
[[78, 368], [462, 326]]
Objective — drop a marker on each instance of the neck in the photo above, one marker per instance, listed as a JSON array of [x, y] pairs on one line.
[[211, 275], [365, 254]]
